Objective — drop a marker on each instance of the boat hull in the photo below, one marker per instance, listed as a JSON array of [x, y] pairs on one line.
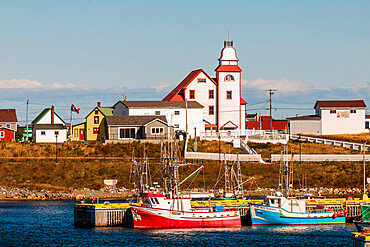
[[146, 217], [267, 215]]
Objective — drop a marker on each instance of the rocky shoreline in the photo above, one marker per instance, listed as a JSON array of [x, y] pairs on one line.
[[11, 193]]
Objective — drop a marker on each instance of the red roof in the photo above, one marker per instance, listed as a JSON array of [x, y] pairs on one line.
[[228, 68], [8, 116], [207, 126], [340, 103], [367, 116], [306, 117], [243, 102], [175, 94], [265, 125]]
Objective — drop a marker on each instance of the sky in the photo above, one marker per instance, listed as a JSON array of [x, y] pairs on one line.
[[82, 52]]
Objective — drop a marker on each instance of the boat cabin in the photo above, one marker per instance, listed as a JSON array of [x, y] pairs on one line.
[[161, 201], [289, 204]]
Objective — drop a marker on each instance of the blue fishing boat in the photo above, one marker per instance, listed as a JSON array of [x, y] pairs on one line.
[[279, 210]]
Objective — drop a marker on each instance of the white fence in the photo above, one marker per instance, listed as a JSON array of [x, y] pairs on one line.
[[319, 157], [263, 136], [222, 157], [351, 145]]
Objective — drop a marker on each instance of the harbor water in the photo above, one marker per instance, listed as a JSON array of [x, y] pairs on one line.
[[50, 223]]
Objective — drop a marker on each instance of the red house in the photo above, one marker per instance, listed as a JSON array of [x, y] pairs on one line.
[[8, 124], [6, 134]]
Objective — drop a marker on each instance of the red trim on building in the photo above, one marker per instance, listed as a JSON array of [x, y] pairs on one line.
[[229, 94], [191, 94], [223, 126], [176, 94], [243, 102], [207, 126], [228, 68], [211, 94], [233, 79], [211, 110], [202, 80]]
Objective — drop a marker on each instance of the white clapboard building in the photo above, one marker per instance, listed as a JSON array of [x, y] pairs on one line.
[[331, 117], [48, 126], [180, 115], [224, 109]]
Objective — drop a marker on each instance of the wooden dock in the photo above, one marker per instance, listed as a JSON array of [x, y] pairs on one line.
[[91, 215]]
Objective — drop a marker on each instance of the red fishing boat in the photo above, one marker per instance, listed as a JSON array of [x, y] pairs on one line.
[[159, 211]]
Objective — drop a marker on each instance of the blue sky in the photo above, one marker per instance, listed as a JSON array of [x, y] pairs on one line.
[[81, 52]]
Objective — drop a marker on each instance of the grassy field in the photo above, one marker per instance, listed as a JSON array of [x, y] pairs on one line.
[[70, 174]]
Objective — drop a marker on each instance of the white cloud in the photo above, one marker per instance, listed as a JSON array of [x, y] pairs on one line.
[[31, 84], [282, 85], [161, 86]]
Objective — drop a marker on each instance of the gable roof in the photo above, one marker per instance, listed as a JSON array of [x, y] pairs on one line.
[[160, 104], [340, 104], [106, 111], [43, 113], [131, 120], [8, 116], [174, 95], [49, 126]]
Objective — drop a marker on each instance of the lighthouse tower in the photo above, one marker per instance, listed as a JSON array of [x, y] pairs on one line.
[[231, 107]]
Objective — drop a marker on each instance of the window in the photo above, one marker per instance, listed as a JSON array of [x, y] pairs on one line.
[[96, 130], [333, 111], [96, 112], [211, 110], [192, 94], [229, 78], [201, 80], [211, 94], [43, 133], [229, 95], [76, 133], [177, 112], [8, 126], [56, 133], [157, 130], [96, 120], [157, 112], [127, 133], [176, 126], [366, 125], [353, 111], [2, 134]]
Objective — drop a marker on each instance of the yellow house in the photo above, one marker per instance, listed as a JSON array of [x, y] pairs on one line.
[[95, 123], [79, 132]]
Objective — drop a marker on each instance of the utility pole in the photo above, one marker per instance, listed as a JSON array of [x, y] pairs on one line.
[[27, 121], [271, 92]]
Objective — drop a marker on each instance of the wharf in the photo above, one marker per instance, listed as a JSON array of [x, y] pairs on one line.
[[360, 239], [119, 214]]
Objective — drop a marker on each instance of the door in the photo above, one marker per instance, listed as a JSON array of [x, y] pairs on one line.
[[82, 134]]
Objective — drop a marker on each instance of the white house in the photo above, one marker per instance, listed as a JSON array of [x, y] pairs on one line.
[[179, 114], [49, 127], [331, 117], [224, 109]]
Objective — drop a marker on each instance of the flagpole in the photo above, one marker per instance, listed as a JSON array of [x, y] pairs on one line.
[[71, 129]]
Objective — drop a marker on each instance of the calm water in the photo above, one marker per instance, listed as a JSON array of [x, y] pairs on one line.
[[51, 224]]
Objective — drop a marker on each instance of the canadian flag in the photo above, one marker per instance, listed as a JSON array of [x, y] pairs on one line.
[[75, 109]]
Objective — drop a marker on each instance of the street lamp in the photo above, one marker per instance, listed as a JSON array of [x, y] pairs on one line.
[[56, 146]]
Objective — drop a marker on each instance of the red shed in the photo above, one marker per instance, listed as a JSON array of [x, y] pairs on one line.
[[6, 134]]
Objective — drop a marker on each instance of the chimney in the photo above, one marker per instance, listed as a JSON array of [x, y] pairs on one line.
[[98, 104], [52, 114]]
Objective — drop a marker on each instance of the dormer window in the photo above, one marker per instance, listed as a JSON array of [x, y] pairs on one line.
[[229, 78]]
